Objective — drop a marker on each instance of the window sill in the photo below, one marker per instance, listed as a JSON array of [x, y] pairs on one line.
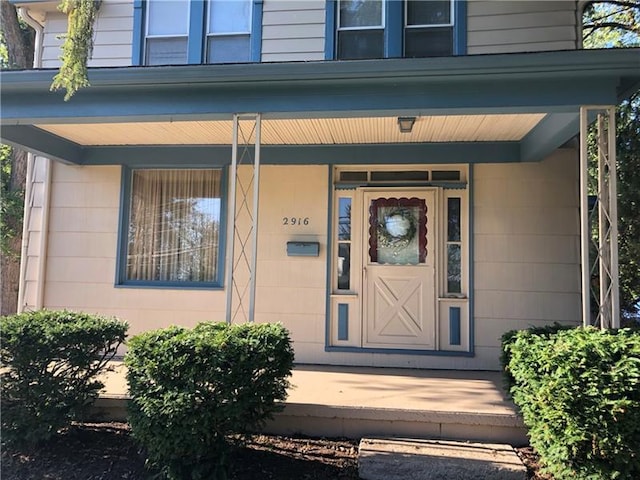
[[171, 286]]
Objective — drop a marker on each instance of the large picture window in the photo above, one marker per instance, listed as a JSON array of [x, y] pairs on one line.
[[173, 229]]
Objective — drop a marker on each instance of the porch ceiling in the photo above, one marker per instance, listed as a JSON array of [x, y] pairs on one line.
[[502, 107], [322, 131]]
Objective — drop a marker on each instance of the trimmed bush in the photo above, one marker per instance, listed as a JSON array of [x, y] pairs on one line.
[[50, 363], [579, 394], [192, 388]]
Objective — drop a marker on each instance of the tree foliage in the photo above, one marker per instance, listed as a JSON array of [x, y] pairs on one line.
[[616, 24], [77, 46], [611, 24]]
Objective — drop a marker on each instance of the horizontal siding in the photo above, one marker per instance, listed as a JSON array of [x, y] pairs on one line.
[[526, 246], [520, 26], [112, 41], [293, 30]]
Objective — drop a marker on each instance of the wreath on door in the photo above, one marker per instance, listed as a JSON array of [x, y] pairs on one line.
[[397, 229]]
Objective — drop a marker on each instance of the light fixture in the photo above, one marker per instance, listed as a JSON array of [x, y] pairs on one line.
[[405, 124]]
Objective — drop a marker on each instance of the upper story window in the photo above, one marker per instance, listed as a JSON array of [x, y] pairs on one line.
[[176, 32], [396, 28]]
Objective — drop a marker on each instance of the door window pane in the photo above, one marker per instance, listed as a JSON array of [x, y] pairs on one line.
[[360, 13], [344, 266], [232, 16], [398, 231], [168, 17], [174, 226], [454, 270], [432, 12], [453, 220], [344, 218]]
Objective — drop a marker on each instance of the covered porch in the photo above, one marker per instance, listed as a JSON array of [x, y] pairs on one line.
[[482, 125], [354, 402]]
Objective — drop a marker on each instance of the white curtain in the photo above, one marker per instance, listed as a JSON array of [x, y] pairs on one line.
[[174, 225]]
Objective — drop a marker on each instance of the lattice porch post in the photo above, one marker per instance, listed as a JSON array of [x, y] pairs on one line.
[[242, 219], [599, 233]]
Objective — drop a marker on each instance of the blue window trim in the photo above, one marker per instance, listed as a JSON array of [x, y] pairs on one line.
[[394, 12], [197, 35], [123, 230]]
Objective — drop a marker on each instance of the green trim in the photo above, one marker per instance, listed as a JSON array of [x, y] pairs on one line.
[[43, 143], [330, 30], [329, 260], [399, 351], [256, 31], [433, 153], [552, 132], [197, 38], [454, 325], [343, 321], [471, 282], [137, 44], [460, 28]]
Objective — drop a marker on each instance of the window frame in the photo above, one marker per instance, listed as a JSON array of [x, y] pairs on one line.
[[123, 234], [209, 34], [394, 27], [197, 32]]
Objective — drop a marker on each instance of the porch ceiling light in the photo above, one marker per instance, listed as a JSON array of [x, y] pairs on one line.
[[405, 124]]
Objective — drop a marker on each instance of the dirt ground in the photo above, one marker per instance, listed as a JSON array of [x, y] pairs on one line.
[[107, 451]]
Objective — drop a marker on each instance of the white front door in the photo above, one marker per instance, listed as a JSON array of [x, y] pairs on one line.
[[399, 269]]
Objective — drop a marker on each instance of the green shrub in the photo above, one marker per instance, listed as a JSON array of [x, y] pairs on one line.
[[579, 394], [192, 388], [50, 363]]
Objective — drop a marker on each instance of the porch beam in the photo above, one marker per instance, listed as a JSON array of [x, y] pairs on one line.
[[552, 132], [189, 155], [42, 143]]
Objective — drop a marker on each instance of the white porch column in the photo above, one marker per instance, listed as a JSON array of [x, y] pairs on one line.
[[599, 233], [242, 220]]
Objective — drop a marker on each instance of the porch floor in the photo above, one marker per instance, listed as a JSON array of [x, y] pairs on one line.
[[362, 401]]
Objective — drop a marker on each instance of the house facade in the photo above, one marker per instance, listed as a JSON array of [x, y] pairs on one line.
[[397, 182]]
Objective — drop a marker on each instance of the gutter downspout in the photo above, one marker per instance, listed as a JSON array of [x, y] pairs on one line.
[[29, 190]]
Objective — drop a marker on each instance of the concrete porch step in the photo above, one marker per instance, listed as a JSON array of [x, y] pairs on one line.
[[411, 459]]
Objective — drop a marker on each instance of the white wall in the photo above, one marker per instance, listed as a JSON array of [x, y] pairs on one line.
[[507, 26], [112, 41], [527, 246], [293, 30]]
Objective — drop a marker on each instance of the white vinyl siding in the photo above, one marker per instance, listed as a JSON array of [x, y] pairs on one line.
[[112, 40], [527, 246], [520, 26], [293, 30]]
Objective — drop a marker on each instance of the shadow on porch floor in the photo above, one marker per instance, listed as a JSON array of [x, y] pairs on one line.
[[363, 401]]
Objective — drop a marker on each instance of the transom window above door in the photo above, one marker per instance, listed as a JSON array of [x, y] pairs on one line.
[[368, 29], [176, 32]]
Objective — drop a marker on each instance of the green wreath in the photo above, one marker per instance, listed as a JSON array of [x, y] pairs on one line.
[[397, 228]]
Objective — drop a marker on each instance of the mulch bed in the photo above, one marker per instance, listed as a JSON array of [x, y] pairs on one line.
[[104, 451], [107, 451]]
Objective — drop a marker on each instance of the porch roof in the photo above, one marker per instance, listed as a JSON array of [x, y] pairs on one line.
[[536, 96]]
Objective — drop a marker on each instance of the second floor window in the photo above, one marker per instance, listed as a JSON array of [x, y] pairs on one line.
[[394, 28], [198, 31]]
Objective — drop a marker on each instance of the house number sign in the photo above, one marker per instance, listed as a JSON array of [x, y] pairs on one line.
[[296, 221]]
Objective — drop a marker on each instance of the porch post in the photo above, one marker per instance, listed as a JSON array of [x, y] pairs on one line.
[[605, 243], [242, 220]]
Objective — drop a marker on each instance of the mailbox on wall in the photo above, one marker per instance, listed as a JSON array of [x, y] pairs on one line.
[[303, 249]]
